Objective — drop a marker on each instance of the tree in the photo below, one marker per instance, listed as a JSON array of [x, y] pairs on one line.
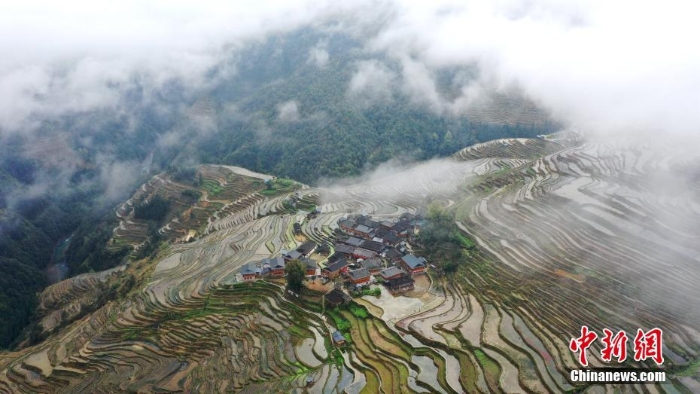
[[295, 272], [155, 209], [440, 240], [439, 229]]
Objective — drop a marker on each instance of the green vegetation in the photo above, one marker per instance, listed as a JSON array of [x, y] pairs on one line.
[[194, 195], [18, 284], [334, 137], [152, 244], [25, 252], [369, 292], [295, 273], [186, 175], [342, 324], [464, 240], [359, 311], [377, 348], [88, 251], [490, 366], [277, 186], [154, 209], [212, 187], [442, 240]]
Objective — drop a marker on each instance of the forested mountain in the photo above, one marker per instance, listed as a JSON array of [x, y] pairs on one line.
[[298, 105], [281, 114]]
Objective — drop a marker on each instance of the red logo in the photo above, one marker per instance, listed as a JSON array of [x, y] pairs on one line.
[[582, 343], [614, 346], [646, 345]]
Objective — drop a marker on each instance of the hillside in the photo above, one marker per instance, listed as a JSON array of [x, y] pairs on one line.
[[278, 113], [566, 232]]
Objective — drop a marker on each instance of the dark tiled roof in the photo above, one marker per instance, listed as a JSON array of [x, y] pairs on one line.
[[391, 238], [293, 254], [391, 271], [336, 266], [249, 269], [344, 248], [363, 253], [337, 256], [393, 254], [335, 296], [372, 263], [277, 262], [414, 262], [308, 263], [401, 226], [352, 241], [367, 221], [306, 247], [373, 246], [362, 273], [363, 229], [399, 281]]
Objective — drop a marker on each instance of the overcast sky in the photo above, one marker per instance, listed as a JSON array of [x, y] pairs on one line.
[[607, 66]]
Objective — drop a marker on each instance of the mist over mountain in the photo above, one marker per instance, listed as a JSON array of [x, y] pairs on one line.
[[262, 72], [300, 104], [96, 99]]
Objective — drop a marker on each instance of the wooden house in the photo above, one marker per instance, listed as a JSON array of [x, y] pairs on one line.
[[400, 284], [414, 265], [359, 277], [391, 273]]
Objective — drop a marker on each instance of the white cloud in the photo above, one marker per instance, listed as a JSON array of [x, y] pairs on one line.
[[419, 84], [373, 82], [76, 55], [607, 66], [117, 177], [603, 66], [318, 55], [288, 112]]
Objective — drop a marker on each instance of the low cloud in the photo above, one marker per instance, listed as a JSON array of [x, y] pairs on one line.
[[288, 112], [117, 178], [318, 55], [82, 56], [418, 83], [596, 65], [398, 181], [372, 83]]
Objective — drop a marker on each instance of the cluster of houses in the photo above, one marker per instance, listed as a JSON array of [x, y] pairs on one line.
[[365, 251], [273, 267]]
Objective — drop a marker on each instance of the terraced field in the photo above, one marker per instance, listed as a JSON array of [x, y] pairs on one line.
[[569, 233], [228, 197]]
